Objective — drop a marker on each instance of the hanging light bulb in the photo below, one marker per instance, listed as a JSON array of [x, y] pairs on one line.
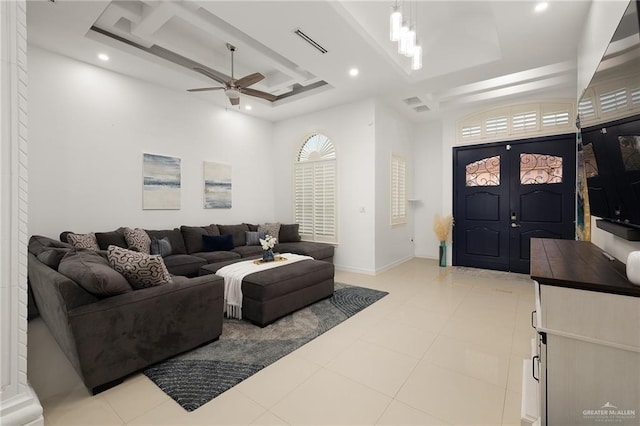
[[395, 24], [416, 60], [411, 42], [402, 42]]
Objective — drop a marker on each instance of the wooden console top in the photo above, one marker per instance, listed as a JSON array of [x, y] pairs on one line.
[[580, 265]]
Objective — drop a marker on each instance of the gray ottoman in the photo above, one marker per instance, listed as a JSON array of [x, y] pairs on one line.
[[274, 293]]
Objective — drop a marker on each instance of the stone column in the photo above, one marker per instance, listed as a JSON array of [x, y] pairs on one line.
[[18, 403]]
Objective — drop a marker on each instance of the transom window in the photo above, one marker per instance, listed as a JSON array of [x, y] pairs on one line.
[[315, 189]]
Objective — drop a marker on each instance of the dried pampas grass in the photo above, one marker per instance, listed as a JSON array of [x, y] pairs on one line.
[[442, 226]]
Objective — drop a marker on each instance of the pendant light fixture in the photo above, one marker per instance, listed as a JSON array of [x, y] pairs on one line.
[[403, 29]]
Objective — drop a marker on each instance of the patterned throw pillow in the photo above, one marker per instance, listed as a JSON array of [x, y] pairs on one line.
[[253, 237], [140, 269], [83, 241], [138, 240], [272, 229]]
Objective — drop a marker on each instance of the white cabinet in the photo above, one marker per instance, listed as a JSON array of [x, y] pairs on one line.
[[588, 327]]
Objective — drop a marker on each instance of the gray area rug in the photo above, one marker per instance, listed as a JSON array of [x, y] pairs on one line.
[[195, 378]]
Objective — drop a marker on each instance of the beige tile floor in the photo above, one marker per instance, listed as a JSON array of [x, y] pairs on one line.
[[445, 347]]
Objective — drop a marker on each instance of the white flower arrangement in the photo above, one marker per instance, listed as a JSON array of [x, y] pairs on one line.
[[268, 243]]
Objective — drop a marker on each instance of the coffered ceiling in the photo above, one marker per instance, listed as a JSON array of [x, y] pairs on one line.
[[475, 52]]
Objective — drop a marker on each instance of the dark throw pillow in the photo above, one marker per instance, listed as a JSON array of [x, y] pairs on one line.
[[217, 243], [289, 233], [92, 272], [161, 246], [52, 256]]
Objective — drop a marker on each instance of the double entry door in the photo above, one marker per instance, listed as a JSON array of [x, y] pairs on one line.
[[507, 193]]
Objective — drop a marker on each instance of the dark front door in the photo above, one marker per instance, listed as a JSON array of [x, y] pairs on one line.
[[507, 193]]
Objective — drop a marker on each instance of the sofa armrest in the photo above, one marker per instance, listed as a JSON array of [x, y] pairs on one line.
[[122, 334]]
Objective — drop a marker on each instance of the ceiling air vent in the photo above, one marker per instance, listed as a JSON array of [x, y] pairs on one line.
[[309, 40], [421, 108]]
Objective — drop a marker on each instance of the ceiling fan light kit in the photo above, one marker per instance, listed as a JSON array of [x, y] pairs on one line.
[[403, 31], [234, 88]]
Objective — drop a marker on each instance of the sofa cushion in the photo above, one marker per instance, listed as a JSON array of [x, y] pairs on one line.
[[237, 231], [137, 240], [93, 273], [113, 238], [160, 246], [253, 237], [289, 233], [248, 251], [316, 250], [252, 227], [217, 256], [193, 236], [217, 242], [140, 269], [83, 241], [52, 256], [272, 229], [184, 264], [174, 236]]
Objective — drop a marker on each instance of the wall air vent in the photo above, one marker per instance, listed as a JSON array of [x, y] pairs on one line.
[[309, 40]]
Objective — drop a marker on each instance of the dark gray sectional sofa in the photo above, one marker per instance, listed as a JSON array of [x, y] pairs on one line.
[[108, 337]]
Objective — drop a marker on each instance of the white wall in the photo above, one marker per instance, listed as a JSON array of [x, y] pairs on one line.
[[393, 135], [428, 182], [602, 21], [351, 128], [88, 129]]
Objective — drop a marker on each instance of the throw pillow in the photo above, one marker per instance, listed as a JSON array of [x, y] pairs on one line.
[[253, 237], [140, 269], [289, 233], [52, 256], [272, 229], [113, 238], [161, 246], [138, 240], [92, 272], [217, 243], [83, 241]]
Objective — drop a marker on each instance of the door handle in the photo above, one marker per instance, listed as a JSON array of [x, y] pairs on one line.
[[533, 315], [514, 225], [533, 367]]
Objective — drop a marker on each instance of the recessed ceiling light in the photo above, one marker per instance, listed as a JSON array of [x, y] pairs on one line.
[[542, 6], [247, 107], [354, 72], [103, 56]]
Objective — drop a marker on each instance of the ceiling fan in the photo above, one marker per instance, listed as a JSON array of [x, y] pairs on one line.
[[233, 88]]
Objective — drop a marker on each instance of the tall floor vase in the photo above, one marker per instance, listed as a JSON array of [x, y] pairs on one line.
[[443, 254]]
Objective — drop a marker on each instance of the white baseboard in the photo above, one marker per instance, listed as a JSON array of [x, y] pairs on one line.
[[426, 256], [393, 264], [354, 270], [22, 410]]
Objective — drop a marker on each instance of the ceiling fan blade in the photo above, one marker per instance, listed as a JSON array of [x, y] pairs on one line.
[[259, 94], [204, 89], [234, 101], [219, 78], [249, 80]]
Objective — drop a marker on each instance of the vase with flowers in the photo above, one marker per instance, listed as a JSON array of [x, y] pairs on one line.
[[268, 243], [442, 227]]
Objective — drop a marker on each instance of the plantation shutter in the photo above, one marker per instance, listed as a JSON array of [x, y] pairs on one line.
[[398, 190], [315, 190]]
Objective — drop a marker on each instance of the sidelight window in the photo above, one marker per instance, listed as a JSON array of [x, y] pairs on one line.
[[539, 169], [485, 172]]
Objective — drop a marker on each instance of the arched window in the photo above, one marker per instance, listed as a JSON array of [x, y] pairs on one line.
[[315, 189]]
